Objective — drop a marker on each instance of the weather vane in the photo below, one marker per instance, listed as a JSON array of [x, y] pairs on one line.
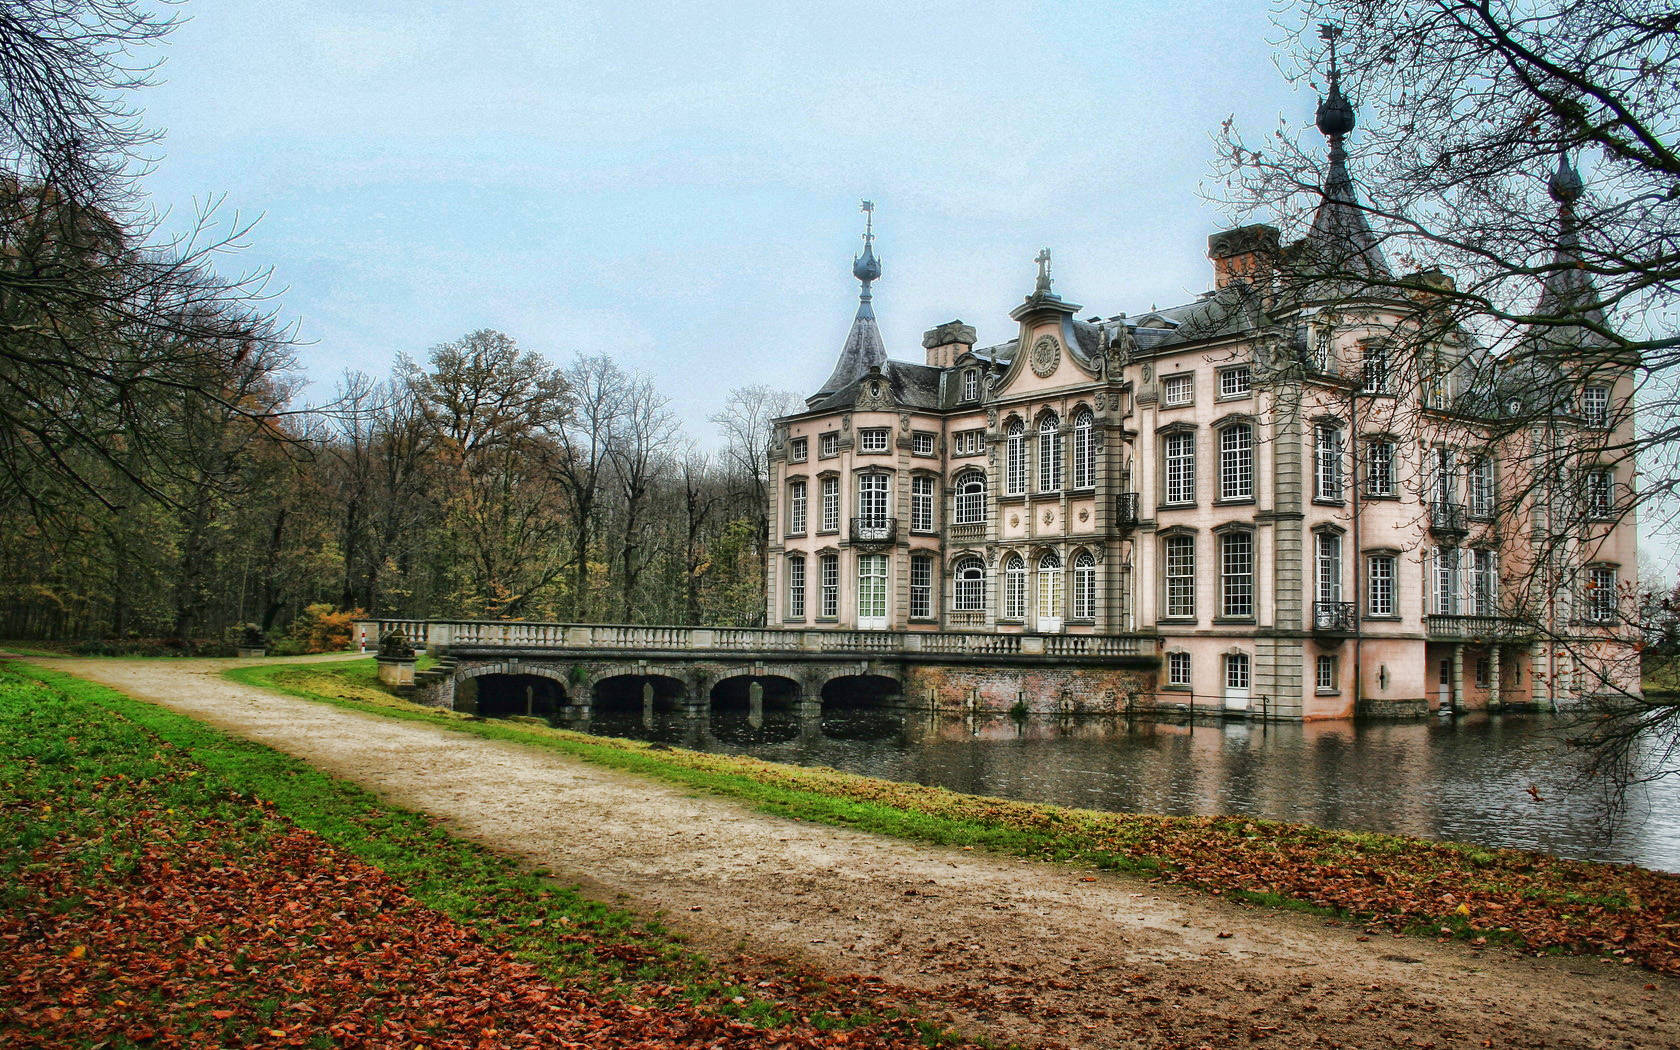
[[1329, 32], [868, 209]]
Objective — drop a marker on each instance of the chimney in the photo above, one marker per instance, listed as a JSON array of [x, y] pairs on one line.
[[947, 343], [1243, 254]]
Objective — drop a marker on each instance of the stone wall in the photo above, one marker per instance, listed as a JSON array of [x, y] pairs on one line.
[[1044, 690]]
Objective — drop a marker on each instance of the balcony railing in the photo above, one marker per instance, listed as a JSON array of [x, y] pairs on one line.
[[1126, 510], [1456, 628], [1333, 617], [970, 533], [874, 530], [1447, 517]]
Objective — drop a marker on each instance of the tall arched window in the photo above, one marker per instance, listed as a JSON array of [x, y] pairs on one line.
[[1050, 586], [1084, 450], [969, 575], [1015, 459], [1049, 453], [1084, 586], [971, 498], [1014, 588]]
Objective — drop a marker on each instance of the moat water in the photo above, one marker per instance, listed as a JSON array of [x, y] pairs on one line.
[[1500, 780]]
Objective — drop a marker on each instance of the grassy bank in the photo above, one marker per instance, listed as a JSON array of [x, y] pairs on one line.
[[1532, 900], [162, 881]]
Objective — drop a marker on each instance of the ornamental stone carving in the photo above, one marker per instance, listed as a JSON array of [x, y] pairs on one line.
[[904, 422], [991, 417], [1102, 401], [846, 422], [1046, 354]]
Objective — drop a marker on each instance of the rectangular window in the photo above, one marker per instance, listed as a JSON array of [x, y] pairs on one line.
[[1446, 581], [1483, 676], [971, 385], [796, 587], [829, 601], [1485, 580], [1235, 382], [1178, 670], [1236, 672], [796, 507], [1178, 389], [1329, 463], [873, 440], [1443, 483], [872, 587], [798, 448], [1049, 456], [921, 586], [1323, 341], [1601, 594], [1595, 406], [921, 504], [1329, 557], [1601, 494], [1480, 475], [1374, 370], [1084, 451], [1379, 468], [923, 445], [1379, 585], [831, 504], [828, 445], [1181, 577], [968, 443], [1236, 462], [1327, 679], [1015, 460], [1180, 452], [872, 500], [1236, 574]]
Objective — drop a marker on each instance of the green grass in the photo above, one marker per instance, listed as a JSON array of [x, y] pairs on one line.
[[1405, 883], [64, 742]]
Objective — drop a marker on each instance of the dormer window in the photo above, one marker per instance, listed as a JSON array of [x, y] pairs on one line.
[[872, 440], [971, 385]]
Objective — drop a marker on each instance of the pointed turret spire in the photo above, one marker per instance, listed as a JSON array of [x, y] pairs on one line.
[[1567, 289], [864, 349], [1340, 236]]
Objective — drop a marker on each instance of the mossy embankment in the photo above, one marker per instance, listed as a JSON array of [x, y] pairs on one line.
[[1530, 900]]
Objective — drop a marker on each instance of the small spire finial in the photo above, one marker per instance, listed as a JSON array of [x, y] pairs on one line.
[[865, 267], [1043, 261], [1335, 113]]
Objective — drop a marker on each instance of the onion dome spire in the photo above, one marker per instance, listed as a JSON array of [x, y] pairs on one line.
[[864, 349], [1567, 290], [1340, 237]]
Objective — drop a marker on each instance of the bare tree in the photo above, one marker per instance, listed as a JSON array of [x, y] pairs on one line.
[[639, 453], [595, 409]]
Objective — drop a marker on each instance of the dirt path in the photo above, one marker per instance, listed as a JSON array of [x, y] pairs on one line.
[[1022, 950]]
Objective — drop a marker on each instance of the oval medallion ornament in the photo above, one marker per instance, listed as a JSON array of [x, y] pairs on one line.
[[1045, 354]]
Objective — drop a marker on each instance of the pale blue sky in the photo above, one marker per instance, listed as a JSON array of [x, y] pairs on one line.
[[677, 184]]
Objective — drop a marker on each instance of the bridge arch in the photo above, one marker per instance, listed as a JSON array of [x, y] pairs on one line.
[[779, 691], [630, 690], [862, 690], [503, 690]]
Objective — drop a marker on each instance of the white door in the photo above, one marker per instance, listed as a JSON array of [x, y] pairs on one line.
[[872, 592], [1445, 693], [1050, 593], [1238, 678]]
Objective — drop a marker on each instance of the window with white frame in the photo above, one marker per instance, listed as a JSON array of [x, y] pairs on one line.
[[828, 445], [1236, 671], [1374, 369], [1084, 586], [873, 440], [971, 384], [1326, 678], [969, 585], [1595, 406], [967, 443], [1049, 454], [796, 587], [1437, 383], [1236, 462], [1235, 382], [796, 507], [1379, 468], [1601, 493], [872, 498], [1328, 547], [1178, 389], [1480, 476], [921, 586], [971, 498], [872, 586], [1601, 594], [1014, 588], [798, 449], [1446, 582], [828, 584], [1443, 476], [1379, 585], [1483, 675], [921, 504], [1484, 579], [1236, 573], [1181, 577], [1050, 585], [1328, 451], [1179, 452], [1015, 459], [1178, 670], [1323, 340], [830, 504], [1084, 450], [922, 444]]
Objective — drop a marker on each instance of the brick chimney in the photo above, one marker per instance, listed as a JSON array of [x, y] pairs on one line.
[[1243, 254], [947, 343]]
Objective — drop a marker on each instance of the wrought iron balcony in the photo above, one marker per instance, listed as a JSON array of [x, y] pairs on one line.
[[1126, 510], [874, 530], [1333, 617], [1447, 517]]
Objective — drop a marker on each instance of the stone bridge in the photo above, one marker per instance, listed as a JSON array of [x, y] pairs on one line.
[[518, 667]]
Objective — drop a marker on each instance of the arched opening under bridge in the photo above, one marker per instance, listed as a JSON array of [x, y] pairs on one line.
[[755, 709], [514, 695], [864, 707], [631, 692]]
